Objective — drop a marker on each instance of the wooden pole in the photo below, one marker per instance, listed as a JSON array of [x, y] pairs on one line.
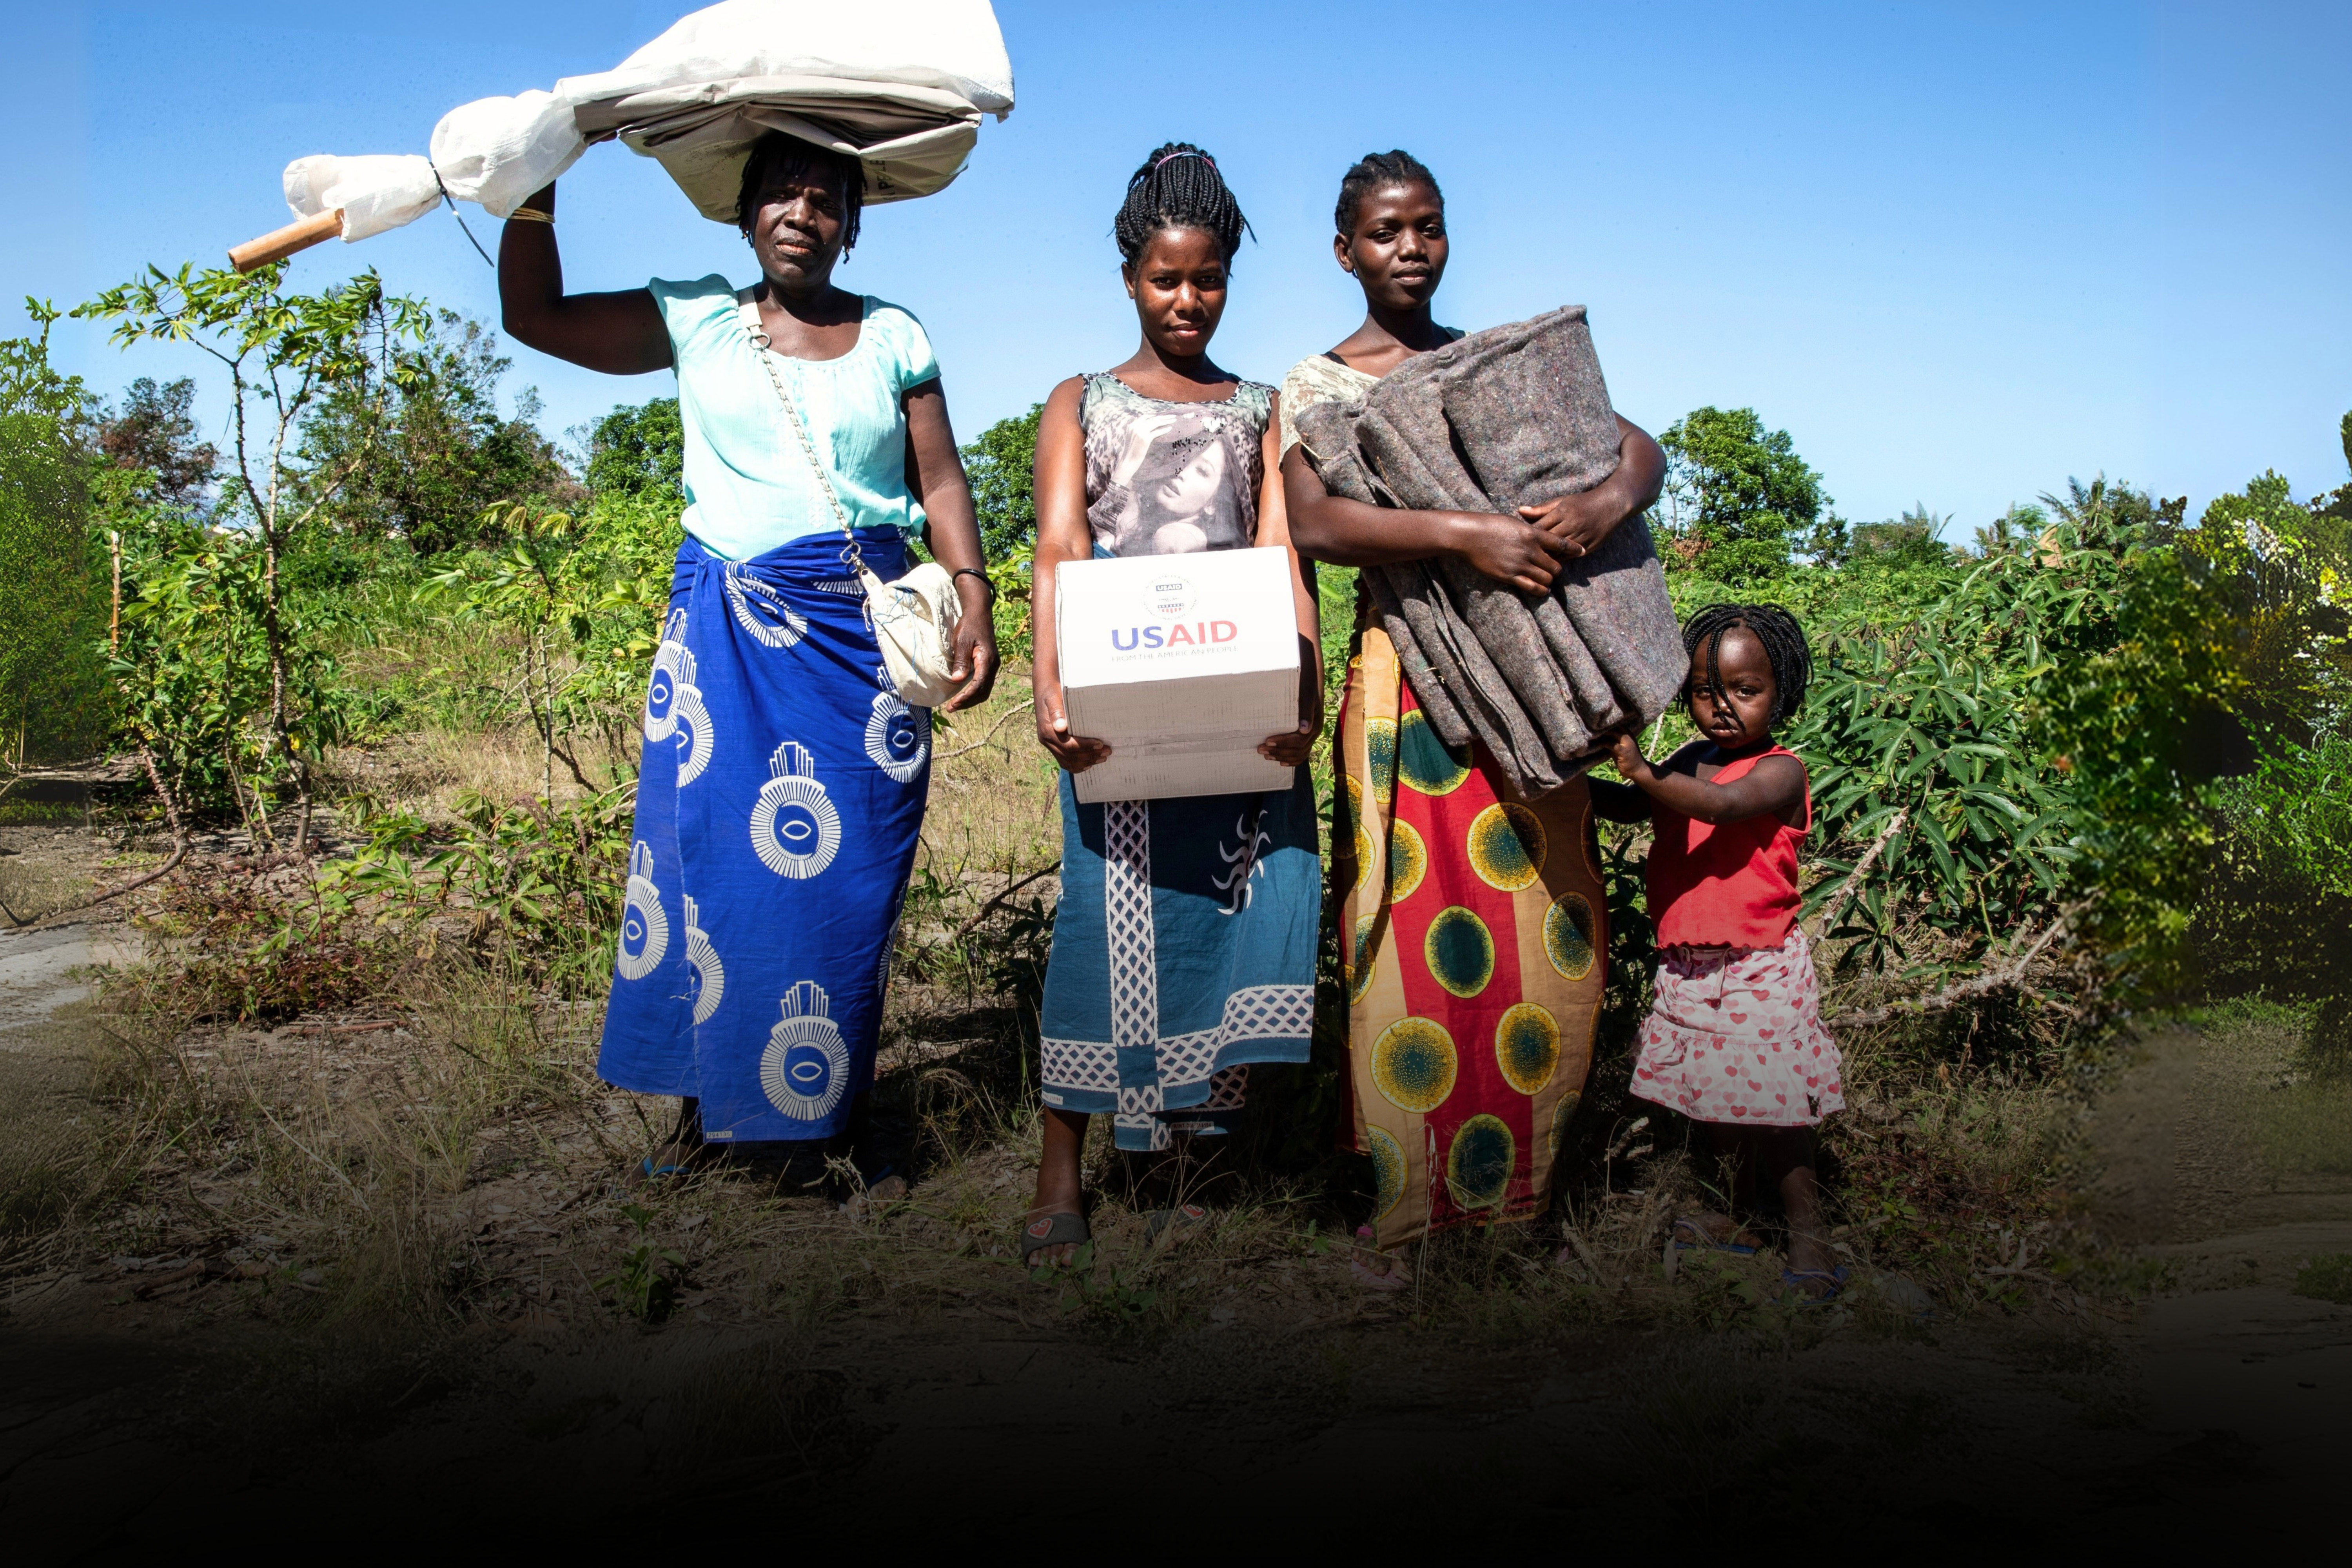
[[280, 244]]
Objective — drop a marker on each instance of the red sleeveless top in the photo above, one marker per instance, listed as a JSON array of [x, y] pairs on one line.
[[1725, 884]]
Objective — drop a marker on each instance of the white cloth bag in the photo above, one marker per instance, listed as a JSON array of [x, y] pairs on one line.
[[901, 84]]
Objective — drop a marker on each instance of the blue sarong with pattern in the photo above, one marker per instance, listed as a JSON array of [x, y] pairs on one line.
[[783, 789], [1184, 950]]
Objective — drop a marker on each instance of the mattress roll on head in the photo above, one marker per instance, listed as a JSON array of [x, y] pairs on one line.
[[901, 84]]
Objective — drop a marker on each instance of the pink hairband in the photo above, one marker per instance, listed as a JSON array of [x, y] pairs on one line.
[[1187, 153]]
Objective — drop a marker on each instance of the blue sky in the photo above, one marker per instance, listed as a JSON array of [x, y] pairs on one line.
[[1960, 252]]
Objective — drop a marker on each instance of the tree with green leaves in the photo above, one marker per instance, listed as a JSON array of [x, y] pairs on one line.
[[1914, 539], [154, 432], [286, 355], [440, 457], [2026, 766], [2337, 502], [2284, 862], [1002, 465], [1738, 499], [637, 450], [50, 593]]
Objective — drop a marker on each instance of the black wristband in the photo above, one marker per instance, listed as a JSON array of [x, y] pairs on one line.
[[986, 586]]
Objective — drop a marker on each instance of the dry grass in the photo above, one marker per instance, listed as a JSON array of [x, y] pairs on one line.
[[443, 1155], [466, 1167], [430, 769], [2293, 1102], [43, 870], [995, 811]]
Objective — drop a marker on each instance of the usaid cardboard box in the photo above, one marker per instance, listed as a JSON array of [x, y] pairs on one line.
[[1185, 664]]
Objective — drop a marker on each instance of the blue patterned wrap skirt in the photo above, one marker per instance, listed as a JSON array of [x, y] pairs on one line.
[[1184, 950], [783, 789]]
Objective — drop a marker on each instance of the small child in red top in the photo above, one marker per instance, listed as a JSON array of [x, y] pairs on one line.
[[1734, 1040]]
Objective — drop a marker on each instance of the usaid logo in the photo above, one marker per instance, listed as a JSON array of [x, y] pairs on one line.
[[1200, 634], [1171, 597]]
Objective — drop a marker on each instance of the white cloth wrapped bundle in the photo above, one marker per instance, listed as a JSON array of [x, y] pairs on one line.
[[900, 83]]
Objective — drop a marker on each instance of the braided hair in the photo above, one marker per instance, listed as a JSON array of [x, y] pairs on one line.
[[1374, 171], [1784, 648], [1178, 188], [779, 152]]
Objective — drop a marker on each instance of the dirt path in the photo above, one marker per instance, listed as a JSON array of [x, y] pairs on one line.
[[2193, 1182], [46, 1040], [129, 1422]]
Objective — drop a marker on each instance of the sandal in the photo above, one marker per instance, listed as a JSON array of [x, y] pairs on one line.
[[1701, 1240], [1174, 1223], [1831, 1281], [889, 1185], [1050, 1230], [656, 1167]]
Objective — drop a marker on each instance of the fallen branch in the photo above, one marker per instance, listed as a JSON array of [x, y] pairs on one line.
[[1983, 985], [1584, 1253], [1853, 884], [151, 1289], [992, 729], [972, 924]]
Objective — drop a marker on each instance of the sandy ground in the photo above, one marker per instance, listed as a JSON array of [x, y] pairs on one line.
[[129, 1427]]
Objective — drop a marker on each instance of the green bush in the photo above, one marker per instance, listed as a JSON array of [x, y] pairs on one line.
[[52, 574]]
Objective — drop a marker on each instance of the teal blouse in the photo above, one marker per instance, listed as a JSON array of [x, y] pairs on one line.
[[749, 488]]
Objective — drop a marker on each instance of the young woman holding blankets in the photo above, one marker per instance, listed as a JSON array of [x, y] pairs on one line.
[[1473, 925]]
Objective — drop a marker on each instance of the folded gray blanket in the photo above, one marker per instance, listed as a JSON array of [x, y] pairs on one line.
[[1512, 416]]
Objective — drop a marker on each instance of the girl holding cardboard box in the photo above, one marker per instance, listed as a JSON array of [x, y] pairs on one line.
[[1184, 942]]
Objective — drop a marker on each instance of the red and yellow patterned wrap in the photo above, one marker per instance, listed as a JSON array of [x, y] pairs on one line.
[[1474, 940]]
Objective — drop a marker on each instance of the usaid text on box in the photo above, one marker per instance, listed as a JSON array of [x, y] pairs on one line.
[[1171, 596], [1184, 665]]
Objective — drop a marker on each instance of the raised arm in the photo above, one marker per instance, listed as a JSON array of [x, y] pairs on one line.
[[1776, 785], [935, 472], [1618, 802], [1325, 527], [1063, 534], [620, 333]]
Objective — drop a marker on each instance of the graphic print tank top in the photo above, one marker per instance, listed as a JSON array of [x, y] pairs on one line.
[[1171, 478]]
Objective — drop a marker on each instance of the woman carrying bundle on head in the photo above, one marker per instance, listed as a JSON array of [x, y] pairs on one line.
[[1184, 942], [1472, 934], [784, 777]]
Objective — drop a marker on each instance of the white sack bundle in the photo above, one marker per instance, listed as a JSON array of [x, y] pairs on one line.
[[900, 83]]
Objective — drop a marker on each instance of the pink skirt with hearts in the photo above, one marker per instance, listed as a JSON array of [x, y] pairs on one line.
[[1737, 1038]]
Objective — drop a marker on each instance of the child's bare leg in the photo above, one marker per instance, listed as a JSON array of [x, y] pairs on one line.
[[1788, 1161], [1734, 1164], [1058, 1190]]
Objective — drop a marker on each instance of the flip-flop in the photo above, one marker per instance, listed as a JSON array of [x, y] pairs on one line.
[[1706, 1243], [868, 1199], [1175, 1223], [647, 1170], [1834, 1279], [1051, 1230]]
